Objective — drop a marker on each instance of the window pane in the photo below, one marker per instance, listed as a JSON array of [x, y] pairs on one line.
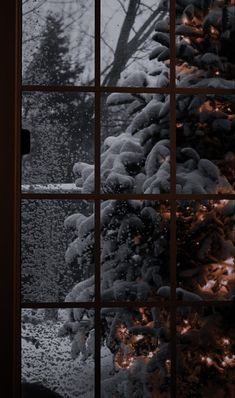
[[135, 152], [205, 144], [205, 44], [58, 42], [61, 129], [56, 252], [48, 356], [135, 357], [206, 356], [134, 250], [206, 250], [135, 43]]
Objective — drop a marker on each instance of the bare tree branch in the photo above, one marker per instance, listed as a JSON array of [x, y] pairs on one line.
[[120, 55], [35, 8], [125, 49], [122, 6], [104, 41]]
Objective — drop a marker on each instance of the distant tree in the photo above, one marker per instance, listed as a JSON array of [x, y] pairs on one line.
[[61, 123], [51, 62]]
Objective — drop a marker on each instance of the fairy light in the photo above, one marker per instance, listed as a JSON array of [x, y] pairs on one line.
[[225, 341], [150, 354], [186, 327], [133, 347], [168, 365], [213, 30]]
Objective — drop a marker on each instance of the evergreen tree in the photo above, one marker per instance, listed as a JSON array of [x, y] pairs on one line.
[[61, 123], [134, 234], [51, 63]]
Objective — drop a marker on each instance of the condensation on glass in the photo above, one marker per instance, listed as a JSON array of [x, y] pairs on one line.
[[61, 148], [57, 250]]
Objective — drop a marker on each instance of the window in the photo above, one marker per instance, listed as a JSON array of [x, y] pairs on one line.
[[123, 199]]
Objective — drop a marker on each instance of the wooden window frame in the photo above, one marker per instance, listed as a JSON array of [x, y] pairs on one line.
[[10, 124]]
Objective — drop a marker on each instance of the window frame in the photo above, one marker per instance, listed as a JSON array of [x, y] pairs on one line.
[[10, 125]]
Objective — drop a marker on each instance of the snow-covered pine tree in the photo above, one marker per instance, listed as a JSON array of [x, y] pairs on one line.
[[137, 161], [205, 33]]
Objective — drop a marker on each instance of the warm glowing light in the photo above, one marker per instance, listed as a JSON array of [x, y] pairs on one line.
[[209, 361], [139, 337], [226, 341], [179, 125], [168, 365], [229, 360], [218, 277], [144, 317], [211, 283], [229, 261], [186, 327], [220, 204], [207, 106], [122, 332]]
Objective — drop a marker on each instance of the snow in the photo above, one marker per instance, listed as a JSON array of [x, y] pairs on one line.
[[52, 188], [50, 363]]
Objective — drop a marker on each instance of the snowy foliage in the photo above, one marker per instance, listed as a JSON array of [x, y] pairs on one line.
[[134, 250]]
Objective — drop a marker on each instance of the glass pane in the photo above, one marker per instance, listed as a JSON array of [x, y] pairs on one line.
[[206, 356], [205, 128], [58, 42], [135, 250], [61, 133], [48, 356], [56, 252], [135, 43], [205, 44], [206, 250], [135, 152], [135, 357]]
